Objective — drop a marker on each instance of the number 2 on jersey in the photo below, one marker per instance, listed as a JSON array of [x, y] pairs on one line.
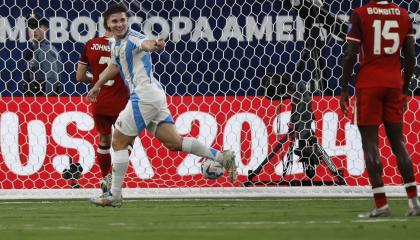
[[385, 32], [105, 60]]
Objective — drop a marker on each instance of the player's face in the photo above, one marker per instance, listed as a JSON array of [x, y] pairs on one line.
[[118, 23]]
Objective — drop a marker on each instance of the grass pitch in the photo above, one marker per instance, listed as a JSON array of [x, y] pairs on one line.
[[256, 219]]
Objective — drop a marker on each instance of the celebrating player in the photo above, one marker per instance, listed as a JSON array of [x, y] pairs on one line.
[[147, 109], [381, 29], [110, 101]]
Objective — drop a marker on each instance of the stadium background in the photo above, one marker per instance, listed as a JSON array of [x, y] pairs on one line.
[[213, 87]]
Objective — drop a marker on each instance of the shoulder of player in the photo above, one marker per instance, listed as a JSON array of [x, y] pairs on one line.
[[100, 40], [360, 10], [134, 34], [402, 10], [89, 42]]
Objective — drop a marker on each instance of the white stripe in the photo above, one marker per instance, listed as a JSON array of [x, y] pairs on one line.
[[103, 151], [410, 184], [367, 199], [411, 35], [353, 39], [355, 112], [123, 61], [378, 190], [82, 63], [136, 40], [275, 222], [217, 192], [381, 220], [139, 70]]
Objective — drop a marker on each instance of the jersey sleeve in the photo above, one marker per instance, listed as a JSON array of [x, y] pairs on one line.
[[83, 56], [136, 41], [355, 31]]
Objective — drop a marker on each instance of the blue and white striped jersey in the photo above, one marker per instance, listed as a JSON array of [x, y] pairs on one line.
[[135, 66]]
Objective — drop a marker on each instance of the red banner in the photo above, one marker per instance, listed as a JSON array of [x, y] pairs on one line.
[[38, 135]]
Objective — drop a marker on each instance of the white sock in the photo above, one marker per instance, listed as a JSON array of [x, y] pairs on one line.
[[384, 206], [192, 145], [119, 168], [413, 202]]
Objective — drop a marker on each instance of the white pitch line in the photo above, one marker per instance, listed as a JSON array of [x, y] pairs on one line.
[[277, 222], [377, 220], [118, 224], [39, 202], [257, 200], [203, 200]]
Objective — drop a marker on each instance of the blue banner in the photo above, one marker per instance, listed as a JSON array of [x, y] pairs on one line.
[[213, 47]]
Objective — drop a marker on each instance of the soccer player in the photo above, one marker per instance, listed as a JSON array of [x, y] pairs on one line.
[[110, 102], [147, 108], [381, 29]]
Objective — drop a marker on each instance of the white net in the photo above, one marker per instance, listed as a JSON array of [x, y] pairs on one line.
[[227, 68]]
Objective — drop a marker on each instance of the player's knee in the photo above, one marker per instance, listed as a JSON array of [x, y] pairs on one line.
[[117, 145]]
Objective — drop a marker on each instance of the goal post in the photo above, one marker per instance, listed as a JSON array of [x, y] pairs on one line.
[[213, 68]]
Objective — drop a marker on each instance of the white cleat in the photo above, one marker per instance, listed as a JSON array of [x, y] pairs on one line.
[[106, 183], [376, 212], [228, 162], [412, 212], [106, 200]]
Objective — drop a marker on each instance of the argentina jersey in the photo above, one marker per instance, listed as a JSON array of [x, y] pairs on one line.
[[135, 66]]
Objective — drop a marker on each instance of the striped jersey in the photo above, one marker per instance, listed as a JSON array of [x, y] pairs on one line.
[[135, 66]]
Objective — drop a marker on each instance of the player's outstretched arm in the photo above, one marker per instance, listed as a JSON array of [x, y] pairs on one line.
[[350, 58], [408, 53], [153, 45], [81, 74], [107, 74]]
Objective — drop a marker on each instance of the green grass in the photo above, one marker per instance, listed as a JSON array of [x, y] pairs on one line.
[[257, 219]]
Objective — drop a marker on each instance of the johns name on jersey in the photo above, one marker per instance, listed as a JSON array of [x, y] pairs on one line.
[[383, 11], [100, 47]]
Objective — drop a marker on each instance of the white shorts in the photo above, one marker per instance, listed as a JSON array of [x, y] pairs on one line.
[[138, 115]]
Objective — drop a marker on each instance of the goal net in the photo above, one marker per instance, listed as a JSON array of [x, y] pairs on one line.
[[228, 68]]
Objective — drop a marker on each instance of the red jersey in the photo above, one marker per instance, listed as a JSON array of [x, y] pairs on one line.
[[114, 95], [380, 28]]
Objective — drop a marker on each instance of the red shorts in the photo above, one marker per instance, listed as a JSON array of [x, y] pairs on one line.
[[103, 123], [377, 105]]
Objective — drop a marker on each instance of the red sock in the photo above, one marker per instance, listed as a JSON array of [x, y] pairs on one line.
[[380, 197], [411, 190], [103, 158]]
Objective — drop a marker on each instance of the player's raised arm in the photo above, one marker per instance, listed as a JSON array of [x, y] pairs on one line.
[[107, 74], [153, 45]]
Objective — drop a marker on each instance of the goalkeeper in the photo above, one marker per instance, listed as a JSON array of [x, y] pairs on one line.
[[147, 108]]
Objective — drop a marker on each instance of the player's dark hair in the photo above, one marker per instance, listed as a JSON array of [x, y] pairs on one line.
[[113, 8]]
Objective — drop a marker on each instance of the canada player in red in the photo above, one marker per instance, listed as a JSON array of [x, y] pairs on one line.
[[110, 101], [380, 30]]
